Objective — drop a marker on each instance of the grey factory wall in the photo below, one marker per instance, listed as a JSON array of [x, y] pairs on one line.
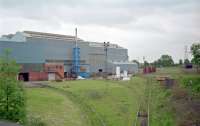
[[97, 58], [117, 55], [23, 52], [114, 54], [39, 50], [59, 49], [97, 62]]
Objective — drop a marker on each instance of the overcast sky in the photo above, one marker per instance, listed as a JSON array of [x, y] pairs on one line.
[[146, 27]]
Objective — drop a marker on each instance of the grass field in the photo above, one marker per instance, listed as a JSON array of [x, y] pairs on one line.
[[97, 103], [106, 103], [53, 108], [101, 103]]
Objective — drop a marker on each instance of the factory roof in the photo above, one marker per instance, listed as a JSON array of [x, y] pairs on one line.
[[33, 34], [21, 36]]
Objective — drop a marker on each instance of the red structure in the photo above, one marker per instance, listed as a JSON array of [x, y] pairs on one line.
[[149, 69], [35, 76], [57, 69], [49, 71]]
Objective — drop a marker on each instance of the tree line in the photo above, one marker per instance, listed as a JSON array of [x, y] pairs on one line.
[[167, 60]]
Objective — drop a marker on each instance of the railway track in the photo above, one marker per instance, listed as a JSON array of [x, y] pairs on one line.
[[143, 113]]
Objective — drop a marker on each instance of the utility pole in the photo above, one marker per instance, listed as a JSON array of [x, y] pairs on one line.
[[106, 45], [186, 53]]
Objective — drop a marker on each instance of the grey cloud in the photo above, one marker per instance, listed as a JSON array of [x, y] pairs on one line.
[[159, 22], [103, 12], [104, 3]]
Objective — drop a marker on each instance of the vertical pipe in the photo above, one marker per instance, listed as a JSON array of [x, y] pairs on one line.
[[76, 55], [76, 52], [76, 37]]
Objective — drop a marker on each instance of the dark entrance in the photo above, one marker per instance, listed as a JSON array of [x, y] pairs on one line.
[[23, 76], [100, 70], [65, 74]]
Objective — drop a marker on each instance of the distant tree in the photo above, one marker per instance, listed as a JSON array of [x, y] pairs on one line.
[[136, 61], [146, 63], [12, 99], [186, 61], [180, 62], [192, 61], [165, 61], [195, 49], [157, 63]]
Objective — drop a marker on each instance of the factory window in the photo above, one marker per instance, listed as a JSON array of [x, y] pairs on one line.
[[100, 70]]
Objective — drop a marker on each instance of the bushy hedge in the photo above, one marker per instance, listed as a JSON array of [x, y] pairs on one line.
[[12, 101], [12, 97]]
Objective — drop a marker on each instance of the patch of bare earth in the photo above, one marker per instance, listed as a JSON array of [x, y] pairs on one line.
[[185, 106]]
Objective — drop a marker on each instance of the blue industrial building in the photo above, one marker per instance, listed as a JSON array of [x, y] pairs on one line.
[[35, 49]]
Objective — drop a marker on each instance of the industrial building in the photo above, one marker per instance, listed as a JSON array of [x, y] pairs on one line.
[[47, 56]]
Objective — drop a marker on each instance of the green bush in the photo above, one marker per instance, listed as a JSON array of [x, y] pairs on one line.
[[193, 83], [12, 97]]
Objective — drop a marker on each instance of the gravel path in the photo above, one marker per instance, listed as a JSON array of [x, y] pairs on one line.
[[8, 124]]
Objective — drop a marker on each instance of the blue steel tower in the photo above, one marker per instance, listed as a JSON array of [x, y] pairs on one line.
[[76, 57]]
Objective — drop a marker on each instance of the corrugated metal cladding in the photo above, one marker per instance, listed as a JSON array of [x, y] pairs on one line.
[[35, 52]]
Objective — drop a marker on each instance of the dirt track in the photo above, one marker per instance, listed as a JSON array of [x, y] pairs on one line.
[[35, 84]]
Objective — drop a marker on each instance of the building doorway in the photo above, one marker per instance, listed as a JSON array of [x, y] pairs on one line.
[[23, 76]]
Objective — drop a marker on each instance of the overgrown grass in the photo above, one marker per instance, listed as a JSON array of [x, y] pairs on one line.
[[191, 82], [185, 95], [53, 108], [161, 111], [110, 103], [101, 103]]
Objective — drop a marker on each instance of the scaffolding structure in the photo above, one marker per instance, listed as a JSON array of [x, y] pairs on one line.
[[76, 57]]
